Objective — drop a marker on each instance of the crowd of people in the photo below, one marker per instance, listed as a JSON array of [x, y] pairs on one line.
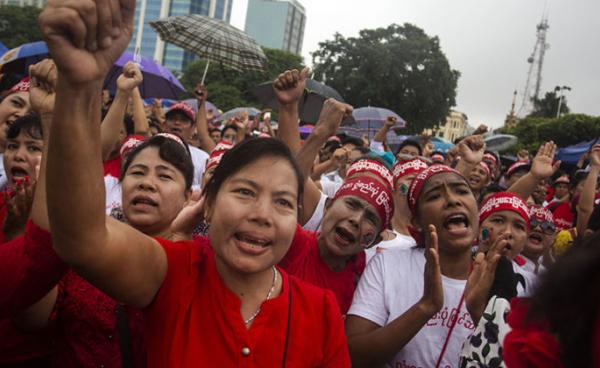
[[138, 237]]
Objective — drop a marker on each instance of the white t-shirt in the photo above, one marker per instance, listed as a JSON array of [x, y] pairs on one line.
[[390, 285], [199, 158], [314, 223], [330, 183], [400, 241], [113, 193], [532, 278]]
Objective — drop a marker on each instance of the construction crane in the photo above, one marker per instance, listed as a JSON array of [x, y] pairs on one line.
[[536, 64]]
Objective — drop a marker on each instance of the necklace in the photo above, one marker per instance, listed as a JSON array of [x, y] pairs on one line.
[[253, 316]]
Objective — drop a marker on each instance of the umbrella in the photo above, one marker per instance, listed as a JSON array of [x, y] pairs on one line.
[[376, 116], [440, 144], [212, 40], [158, 81], [252, 111], [3, 48], [266, 95], [17, 60], [572, 154]]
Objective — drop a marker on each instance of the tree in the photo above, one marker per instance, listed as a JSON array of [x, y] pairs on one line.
[[18, 25], [228, 88], [547, 107], [565, 131], [398, 67]]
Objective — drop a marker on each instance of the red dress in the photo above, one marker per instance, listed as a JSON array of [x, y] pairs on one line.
[[195, 320], [304, 261], [29, 269]]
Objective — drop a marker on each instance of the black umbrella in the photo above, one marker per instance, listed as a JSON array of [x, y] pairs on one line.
[[311, 103]]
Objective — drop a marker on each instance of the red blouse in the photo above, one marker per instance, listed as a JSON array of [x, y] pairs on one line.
[[304, 261], [113, 167], [195, 320]]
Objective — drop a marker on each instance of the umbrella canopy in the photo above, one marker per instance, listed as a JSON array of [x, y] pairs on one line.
[[440, 144], [212, 40], [572, 154], [158, 81], [17, 60], [266, 95], [3, 48], [376, 116], [252, 111]]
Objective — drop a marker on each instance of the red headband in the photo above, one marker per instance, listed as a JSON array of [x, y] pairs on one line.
[[486, 168], [504, 201], [403, 168], [130, 143], [373, 167], [22, 86], [372, 191], [172, 137], [490, 157], [541, 213], [217, 154], [517, 165], [414, 191]]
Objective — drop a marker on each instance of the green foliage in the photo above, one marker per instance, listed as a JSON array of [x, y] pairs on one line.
[[564, 131], [399, 67], [229, 88], [547, 107], [18, 25]]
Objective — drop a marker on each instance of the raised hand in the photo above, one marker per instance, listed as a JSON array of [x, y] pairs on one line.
[[43, 77], [471, 149], [85, 37], [482, 277], [390, 122], [289, 86], [189, 216], [594, 155], [523, 155], [433, 292], [130, 78], [340, 157], [331, 116], [543, 165], [18, 208], [201, 94]]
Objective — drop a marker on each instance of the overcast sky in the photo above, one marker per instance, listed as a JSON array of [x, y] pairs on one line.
[[487, 41]]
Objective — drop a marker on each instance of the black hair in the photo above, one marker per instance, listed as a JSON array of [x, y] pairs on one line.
[[169, 150], [231, 126], [568, 299], [246, 153], [29, 123], [578, 177], [410, 142], [353, 140], [211, 130], [331, 146]]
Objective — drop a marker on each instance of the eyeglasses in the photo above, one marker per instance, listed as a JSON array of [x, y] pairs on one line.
[[546, 226]]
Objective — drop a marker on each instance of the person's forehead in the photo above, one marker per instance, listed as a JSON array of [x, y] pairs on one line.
[[440, 179]]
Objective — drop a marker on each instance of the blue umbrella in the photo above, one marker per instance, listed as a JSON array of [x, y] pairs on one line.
[[17, 60], [158, 81], [572, 154], [3, 48], [441, 144]]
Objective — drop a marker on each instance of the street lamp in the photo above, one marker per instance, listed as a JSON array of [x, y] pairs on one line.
[[560, 98]]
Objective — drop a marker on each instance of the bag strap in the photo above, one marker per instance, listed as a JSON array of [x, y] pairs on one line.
[[124, 337]]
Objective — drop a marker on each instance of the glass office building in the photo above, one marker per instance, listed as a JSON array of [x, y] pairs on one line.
[[278, 24]]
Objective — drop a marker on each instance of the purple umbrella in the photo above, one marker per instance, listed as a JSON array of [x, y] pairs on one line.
[[158, 82], [376, 116]]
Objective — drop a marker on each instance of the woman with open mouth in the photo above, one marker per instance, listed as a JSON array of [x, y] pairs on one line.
[[479, 178], [14, 105], [219, 301], [416, 307]]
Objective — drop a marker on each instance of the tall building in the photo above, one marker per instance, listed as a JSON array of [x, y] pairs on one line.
[[149, 44], [38, 3], [277, 24], [455, 126]]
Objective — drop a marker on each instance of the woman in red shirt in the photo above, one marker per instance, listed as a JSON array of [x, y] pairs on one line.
[[224, 303]]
